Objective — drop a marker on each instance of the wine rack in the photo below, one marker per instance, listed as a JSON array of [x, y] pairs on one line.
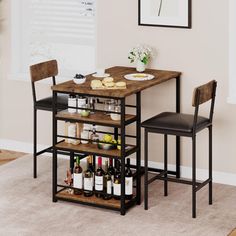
[[119, 130], [134, 88], [112, 203]]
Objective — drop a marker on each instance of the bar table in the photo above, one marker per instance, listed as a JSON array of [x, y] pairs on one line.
[[119, 130]]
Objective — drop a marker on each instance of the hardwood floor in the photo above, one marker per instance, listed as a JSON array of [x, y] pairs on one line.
[[233, 233], [7, 156]]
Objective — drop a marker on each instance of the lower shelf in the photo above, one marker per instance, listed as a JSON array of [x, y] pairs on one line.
[[93, 200], [93, 149]]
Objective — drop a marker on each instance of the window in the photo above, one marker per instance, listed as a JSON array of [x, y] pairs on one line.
[[232, 52], [64, 30]]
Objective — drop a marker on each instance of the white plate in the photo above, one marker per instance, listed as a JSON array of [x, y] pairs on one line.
[[101, 76], [139, 77]]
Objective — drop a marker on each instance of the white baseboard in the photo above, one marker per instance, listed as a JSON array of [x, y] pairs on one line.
[[18, 146], [186, 172]]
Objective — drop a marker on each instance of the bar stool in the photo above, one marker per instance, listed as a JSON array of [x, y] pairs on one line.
[[186, 125], [39, 72]]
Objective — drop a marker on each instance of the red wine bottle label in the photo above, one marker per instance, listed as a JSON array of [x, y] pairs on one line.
[[109, 184], [128, 185], [88, 184], [98, 183], [117, 189], [78, 180]]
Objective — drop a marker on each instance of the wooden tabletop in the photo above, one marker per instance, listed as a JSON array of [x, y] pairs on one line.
[[117, 73]]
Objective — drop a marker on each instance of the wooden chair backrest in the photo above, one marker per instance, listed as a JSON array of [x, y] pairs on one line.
[[204, 93], [43, 70]]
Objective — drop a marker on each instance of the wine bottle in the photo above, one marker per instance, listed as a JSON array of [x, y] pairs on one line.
[[88, 178], [128, 181], [91, 166], [111, 170], [78, 178], [107, 183], [99, 174], [69, 181], [117, 181], [94, 136]]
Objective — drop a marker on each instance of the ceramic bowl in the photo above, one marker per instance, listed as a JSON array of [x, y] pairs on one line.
[[79, 81], [106, 146]]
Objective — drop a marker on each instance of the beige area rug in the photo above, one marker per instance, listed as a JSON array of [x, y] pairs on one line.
[[26, 209]]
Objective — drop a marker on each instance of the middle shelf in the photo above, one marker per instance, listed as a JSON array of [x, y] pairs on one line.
[[99, 118], [93, 149]]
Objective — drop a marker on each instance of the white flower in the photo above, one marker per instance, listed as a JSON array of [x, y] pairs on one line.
[[140, 53]]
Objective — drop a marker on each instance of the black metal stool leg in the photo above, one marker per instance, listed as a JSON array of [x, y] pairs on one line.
[[210, 165], [165, 164], [146, 170], [35, 145], [194, 177]]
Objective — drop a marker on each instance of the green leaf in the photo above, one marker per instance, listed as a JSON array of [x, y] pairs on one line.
[[145, 60]]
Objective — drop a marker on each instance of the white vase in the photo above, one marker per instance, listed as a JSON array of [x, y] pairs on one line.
[[140, 67]]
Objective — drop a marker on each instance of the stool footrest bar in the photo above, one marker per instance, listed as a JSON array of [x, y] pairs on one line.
[[201, 185], [49, 149], [181, 181], [156, 177]]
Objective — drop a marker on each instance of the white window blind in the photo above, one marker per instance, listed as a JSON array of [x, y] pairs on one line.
[[56, 29]]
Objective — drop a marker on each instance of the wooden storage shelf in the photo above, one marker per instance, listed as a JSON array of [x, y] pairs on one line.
[[96, 118], [93, 200], [93, 149], [99, 118]]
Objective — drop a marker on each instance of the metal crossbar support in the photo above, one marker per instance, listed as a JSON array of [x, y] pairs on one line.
[[156, 177]]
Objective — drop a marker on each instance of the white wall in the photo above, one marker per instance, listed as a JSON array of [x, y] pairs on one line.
[[232, 52], [200, 53]]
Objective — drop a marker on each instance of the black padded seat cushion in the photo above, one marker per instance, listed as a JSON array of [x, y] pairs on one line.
[[62, 102], [175, 122]]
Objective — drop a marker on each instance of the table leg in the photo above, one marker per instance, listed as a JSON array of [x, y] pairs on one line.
[[138, 144], [178, 137], [122, 199], [54, 159]]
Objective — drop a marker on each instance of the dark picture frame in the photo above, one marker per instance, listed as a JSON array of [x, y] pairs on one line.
[[159, 21]]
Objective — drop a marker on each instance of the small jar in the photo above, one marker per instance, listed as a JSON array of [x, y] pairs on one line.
[[72, 132], [85, 112], [72, 102], [115, 116], [84, 135], [81, 101], [109, 106], [94, 136], [91, 104]]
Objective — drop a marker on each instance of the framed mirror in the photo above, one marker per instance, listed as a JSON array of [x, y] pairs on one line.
[[165, 13]]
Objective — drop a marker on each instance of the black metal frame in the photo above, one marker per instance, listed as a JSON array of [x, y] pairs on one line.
[[189, 26], [42, 108], [36, 108], [177, 172], [122, 133], [123, 204], [196, 186]]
